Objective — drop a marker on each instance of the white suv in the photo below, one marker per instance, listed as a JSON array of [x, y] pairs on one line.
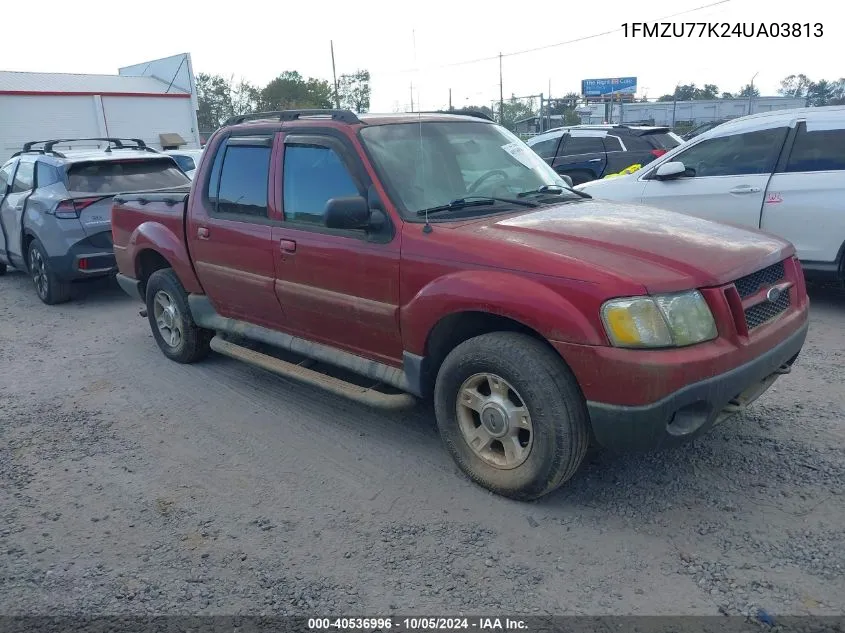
[[783, 172]]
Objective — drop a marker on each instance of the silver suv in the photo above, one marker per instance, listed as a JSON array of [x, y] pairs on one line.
[[55, 206]]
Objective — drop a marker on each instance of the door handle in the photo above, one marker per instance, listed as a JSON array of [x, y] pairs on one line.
[[594, 160], [287, 246], [745, 189], [202, 233], [19, 208]]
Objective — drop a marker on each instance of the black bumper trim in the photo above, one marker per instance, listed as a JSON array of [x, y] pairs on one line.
[[698, 406], [130, 286]]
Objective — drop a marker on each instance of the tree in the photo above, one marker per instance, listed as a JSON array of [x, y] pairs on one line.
[[213, 101], [471, 108], [291, 91], [726, 95], [797, 86], [515, 110], [354, 91], [689, 92], [748, 91]]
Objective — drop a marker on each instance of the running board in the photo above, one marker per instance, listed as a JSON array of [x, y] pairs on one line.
[[336, 386]]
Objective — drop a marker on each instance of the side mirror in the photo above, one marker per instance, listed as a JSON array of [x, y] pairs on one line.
[[567, 180], [352, 212], [672, 169]]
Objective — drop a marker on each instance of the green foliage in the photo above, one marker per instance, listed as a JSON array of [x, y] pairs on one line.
[[354, 91]]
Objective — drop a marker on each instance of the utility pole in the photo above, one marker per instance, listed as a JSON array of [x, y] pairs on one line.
[[751, 91], [450, 99], [675, 104], [549, 109], [501, 93], [412, 96], [334, 75]]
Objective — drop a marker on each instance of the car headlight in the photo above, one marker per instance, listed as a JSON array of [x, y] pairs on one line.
[[672, 320]]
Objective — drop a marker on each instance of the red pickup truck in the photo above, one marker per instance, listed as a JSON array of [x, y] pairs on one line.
[[395, 257]]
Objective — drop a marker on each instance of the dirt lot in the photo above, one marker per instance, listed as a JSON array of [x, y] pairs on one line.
[[132, 484]]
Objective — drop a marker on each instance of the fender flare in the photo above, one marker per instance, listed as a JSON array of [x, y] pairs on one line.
[[158, 238], [501, 293]]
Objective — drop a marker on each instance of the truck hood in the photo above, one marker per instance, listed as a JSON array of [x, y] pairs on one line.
[[663, 250]]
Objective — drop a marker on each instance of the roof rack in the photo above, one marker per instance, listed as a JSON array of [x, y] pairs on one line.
[[473, 113], [346, 116], [118, 143]]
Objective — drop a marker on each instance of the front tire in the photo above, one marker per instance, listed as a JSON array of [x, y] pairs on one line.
[[173, 327], [511, 414], [48, 287]]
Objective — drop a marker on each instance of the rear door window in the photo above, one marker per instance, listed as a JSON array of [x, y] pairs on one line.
[[575, 145], [6, 177], [243, 180], [817, 150], [110, 177], [24, 178]]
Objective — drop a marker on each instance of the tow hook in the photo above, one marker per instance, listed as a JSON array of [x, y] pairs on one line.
[[143, 312], [784, 369]]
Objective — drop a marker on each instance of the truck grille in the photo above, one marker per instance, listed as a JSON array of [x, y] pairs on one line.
[[750, 284], [759, 314], [763, 312]]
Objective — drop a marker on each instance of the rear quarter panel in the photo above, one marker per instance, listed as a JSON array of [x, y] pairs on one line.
[[156, 225]]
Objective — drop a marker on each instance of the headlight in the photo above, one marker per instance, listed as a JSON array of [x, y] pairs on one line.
[[660, 321]]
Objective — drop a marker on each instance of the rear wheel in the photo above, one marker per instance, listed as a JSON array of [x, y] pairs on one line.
[[511, 414], [49, 288], [2, 269], [173, 327]]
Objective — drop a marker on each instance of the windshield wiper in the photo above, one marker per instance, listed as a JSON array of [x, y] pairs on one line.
[[551, 189], [474, 201]]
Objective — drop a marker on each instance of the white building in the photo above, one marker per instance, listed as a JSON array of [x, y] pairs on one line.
[[152, 101], [688, 112]]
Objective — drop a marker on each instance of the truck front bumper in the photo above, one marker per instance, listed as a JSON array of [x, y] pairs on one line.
[[696, 408]]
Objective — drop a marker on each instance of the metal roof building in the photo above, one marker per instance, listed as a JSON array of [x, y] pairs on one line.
[[151, 101]]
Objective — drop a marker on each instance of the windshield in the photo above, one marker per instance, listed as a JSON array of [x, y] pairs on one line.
[[430, 164]]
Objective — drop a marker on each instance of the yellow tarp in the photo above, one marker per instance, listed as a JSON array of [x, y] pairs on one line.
[[624, 172]]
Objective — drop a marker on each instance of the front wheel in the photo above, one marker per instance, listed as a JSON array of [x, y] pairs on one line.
[[172, 324], [511, 414]]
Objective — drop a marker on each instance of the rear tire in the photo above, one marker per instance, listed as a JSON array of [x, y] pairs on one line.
[[527, 430], [2, 269], [48, 287], [173, 327]]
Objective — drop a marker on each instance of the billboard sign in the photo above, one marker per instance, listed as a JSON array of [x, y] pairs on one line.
[[598, 88]]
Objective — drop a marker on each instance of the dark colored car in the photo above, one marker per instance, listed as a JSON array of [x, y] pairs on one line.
[[701, 129], [590, 152], [387, 257]]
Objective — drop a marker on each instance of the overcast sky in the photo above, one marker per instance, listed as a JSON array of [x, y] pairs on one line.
[[257, 41]]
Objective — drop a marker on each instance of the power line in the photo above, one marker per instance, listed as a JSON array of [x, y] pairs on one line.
[[547, 46]]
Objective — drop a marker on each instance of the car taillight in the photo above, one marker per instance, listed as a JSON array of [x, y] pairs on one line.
[[657, 153], [70, 209]]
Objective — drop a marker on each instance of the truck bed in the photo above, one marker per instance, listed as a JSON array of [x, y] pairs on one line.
[[163, 210]]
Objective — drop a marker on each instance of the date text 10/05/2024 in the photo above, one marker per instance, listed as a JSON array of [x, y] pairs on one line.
[[723, 29], [402, 624]]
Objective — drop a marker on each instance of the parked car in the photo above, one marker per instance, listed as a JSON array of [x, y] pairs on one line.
[[55, 207], [701, 129], [782, 171], [589, 152], [534, 316], [187, 159]]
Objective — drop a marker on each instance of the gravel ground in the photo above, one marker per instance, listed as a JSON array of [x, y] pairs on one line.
[[130, 484]]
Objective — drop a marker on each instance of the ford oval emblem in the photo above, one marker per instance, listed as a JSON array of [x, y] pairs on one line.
[[773, 294]]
